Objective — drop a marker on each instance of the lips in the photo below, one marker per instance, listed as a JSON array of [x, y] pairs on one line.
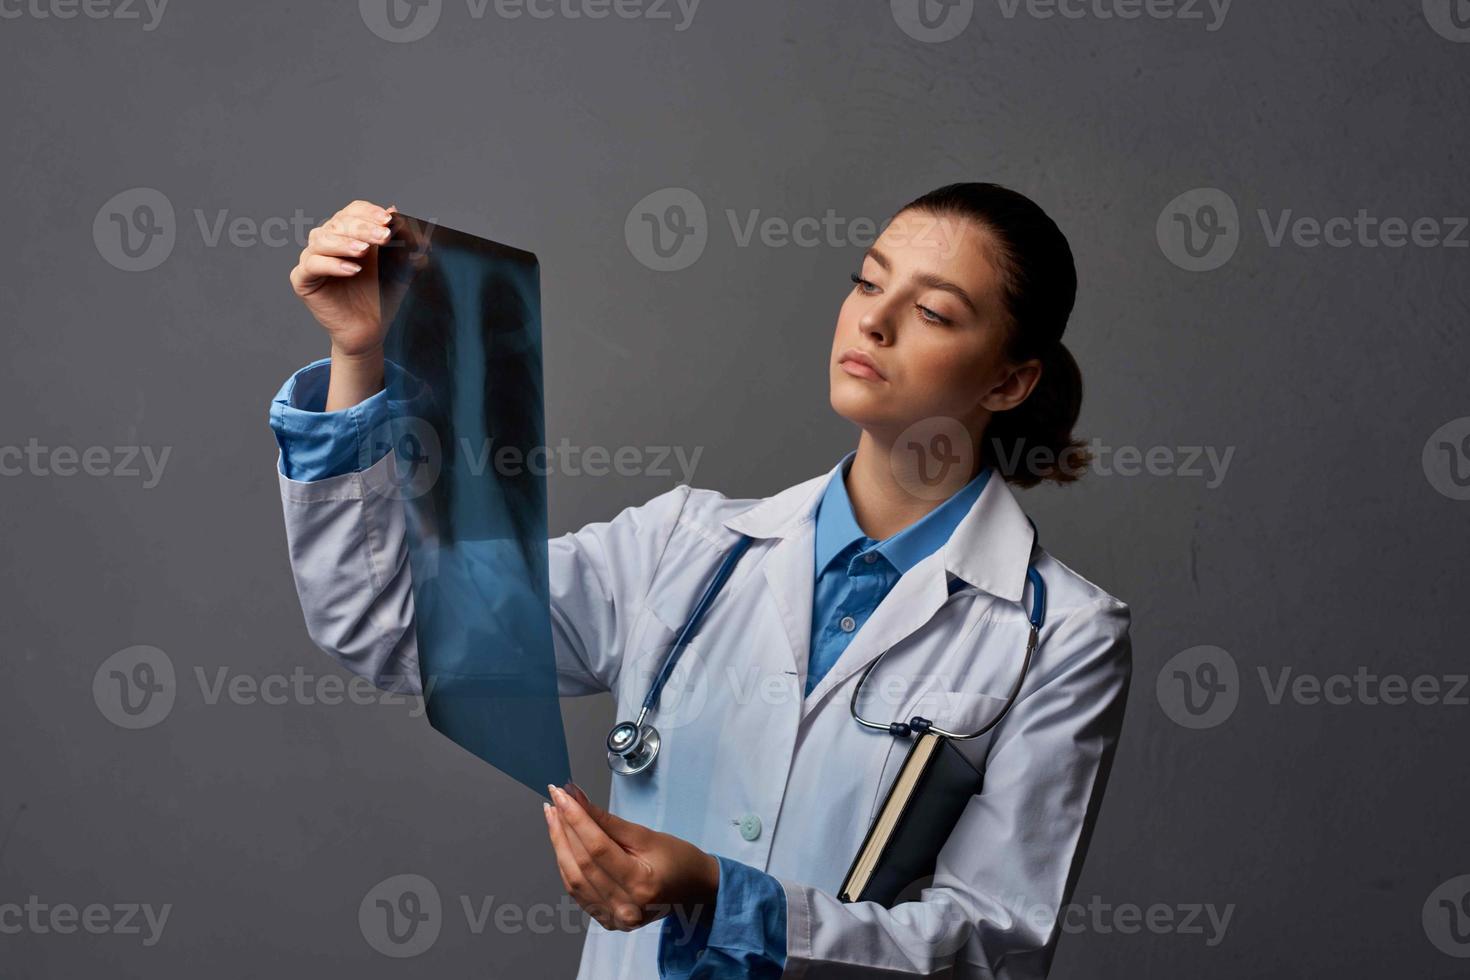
[[860, 365]]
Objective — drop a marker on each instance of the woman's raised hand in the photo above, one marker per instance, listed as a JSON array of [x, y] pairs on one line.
[[337, 277]]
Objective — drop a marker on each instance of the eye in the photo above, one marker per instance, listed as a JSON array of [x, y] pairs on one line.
[[863, 286], [931, 317]]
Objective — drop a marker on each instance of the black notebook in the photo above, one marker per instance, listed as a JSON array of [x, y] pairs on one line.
[[922, 807]]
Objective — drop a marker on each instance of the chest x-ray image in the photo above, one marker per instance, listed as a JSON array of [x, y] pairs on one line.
[[467, 430]]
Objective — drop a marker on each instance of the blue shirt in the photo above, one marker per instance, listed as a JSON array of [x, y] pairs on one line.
[[745, 935], [854, 572]]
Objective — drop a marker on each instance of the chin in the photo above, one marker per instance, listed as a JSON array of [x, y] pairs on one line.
[[859, 405]]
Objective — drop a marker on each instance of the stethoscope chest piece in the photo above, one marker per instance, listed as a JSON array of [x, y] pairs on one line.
[[631, 748]]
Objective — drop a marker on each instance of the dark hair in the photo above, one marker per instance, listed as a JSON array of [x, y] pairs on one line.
[[1033, 441]]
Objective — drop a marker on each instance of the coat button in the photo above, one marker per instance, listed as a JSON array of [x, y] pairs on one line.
[[750, 826], [847, 623]]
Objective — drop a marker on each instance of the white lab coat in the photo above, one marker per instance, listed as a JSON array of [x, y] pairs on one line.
[[743, 749]]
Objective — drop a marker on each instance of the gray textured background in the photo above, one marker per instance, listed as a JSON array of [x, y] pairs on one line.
[[1325, 830]]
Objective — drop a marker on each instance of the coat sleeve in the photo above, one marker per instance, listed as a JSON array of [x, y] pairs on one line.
[[1006, 873], [346, 540]]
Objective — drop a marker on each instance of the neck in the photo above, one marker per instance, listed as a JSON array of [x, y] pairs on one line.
[[891, 490]]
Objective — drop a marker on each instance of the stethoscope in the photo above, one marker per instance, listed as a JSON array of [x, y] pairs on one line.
[[633, 745]]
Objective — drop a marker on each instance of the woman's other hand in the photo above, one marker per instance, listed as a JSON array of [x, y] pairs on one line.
[[623, 874]]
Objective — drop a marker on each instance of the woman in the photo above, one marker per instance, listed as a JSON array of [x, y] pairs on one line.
[[948, 356]]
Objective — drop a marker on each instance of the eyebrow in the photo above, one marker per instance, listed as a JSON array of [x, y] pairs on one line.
[[927, 279]]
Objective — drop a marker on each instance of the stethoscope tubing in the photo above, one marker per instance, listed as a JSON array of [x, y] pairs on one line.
[[722, 574], [637, 732]]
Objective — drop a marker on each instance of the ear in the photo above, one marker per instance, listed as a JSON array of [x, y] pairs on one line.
[[1014, 387]]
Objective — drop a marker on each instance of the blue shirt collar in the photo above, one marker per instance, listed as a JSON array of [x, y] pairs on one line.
[[837, 528]]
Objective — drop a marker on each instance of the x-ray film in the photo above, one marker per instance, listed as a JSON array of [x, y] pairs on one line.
[[468, 434]]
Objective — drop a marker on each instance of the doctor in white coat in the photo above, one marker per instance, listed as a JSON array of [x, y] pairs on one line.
[[724, 859]]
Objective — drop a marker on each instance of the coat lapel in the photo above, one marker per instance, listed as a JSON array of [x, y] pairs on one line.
[[790, 581], [790, 568]]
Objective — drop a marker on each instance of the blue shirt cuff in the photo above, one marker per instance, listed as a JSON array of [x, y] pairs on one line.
[[316, 444], [745, 935]]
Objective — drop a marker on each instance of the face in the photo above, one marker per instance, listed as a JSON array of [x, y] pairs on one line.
[[923, 332]]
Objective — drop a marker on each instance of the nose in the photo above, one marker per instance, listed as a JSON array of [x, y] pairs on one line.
[[877, 324]]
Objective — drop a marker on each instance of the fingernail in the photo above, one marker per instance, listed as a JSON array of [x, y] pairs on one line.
[[350, 267], [553, 791]]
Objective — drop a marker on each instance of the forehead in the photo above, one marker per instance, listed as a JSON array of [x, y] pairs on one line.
[[953, 247]]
